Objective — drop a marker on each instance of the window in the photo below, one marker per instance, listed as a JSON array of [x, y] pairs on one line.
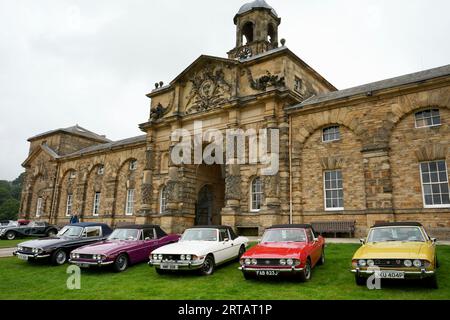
[[149, 234], [163, 201], [72, 175], [331, 134], [39, 207], [223, 234], [298, 84], [90, 232], [96, 208], [428, 118], [256, 195], [129, 209], [435, 184], [133, 165], [309, 235], [101, 170], [69, 205], [334, 191]]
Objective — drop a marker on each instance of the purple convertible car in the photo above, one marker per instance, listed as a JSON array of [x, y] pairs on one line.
[[125, 246]]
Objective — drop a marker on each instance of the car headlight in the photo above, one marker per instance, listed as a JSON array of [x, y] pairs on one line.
[[254, 262], [362, 263], [155, 257], [160, 256], [408, 263], [189, 257], [370, 263], [19, 248], [183, 257], [283, 262], [290, 262], [417, 263], [248, 262]]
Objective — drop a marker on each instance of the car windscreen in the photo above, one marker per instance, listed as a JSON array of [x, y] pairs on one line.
[[200, 235], [70, 231], [125, 234], [284, 235], [391, 234]]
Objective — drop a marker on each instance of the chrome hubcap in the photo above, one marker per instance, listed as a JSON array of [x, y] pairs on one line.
[[307, 271], [207, 266], [61, 258], [122, 262], [10, 236]]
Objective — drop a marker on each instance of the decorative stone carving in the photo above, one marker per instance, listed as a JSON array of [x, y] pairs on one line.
[[147, 193], [264, 82], [209, 88], [158, 112], [332, 163], [244, 53], [431, 152], [233, 187]]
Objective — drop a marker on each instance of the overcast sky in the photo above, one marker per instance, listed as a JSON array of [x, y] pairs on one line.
[[91, 62]]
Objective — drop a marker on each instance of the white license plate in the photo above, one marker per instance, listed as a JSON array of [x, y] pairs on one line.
[[392, 275], [22, 257], [169, 267], [84, 265], [267, 273]]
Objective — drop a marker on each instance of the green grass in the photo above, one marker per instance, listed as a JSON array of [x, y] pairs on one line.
[[12, 243], [20, 280]]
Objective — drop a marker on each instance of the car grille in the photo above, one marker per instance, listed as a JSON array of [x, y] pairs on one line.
[[268, 262], [389, 263], [86, 256], [27, 250], [171, 257]]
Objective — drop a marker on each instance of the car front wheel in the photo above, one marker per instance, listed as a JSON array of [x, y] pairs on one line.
[[207, 268], [59, 257], [306, 274], [10, 235], [121, 263], [322, 258]]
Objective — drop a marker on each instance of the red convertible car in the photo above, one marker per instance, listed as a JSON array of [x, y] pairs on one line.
[[285, 250]]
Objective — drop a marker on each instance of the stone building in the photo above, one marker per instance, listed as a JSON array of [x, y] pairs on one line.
[[377, 152]]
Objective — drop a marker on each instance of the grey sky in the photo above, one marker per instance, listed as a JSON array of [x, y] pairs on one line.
[[91, 62]]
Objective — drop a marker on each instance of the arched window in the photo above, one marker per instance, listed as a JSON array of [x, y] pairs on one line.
[[247, 33], [271, 34], [163, 200], [256, 194], [331, 134], [428, 118]]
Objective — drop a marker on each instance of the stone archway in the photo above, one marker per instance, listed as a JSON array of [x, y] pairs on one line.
[[210, 191]]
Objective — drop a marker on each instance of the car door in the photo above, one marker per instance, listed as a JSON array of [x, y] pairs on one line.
[[313, 246], [150, 243], [37, 229], [89, 235], [225, 247]]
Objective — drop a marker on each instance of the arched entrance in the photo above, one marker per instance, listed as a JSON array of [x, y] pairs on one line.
[[210, 195]]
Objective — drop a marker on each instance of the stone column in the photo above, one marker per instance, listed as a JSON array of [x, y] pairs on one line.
[[233, 195], [379, 198], [147, 186]]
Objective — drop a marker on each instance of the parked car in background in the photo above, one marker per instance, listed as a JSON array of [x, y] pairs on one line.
[[23, 222], [200, 248], [125, 246], [8, 223], [285, 250], [397, 251], [58, 248], [33, 229]]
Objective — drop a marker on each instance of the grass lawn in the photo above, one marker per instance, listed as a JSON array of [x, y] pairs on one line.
[[20, 280], [12, 243]]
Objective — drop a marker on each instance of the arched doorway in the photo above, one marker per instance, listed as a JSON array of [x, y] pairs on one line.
[[210, 195]]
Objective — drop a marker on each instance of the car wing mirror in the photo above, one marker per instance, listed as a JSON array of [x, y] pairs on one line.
[[226, 240], [434, 240], [362, 241]]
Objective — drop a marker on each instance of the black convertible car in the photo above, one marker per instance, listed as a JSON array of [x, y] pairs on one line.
[[33, 229], [58, 248]]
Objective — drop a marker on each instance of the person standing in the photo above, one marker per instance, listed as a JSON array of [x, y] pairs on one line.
[[74, 219]]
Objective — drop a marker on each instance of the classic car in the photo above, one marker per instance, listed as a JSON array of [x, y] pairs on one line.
[[58, 248], [200, 248], [33, 229], [285, 250], [8, 223], [396, 251], [125, 246]]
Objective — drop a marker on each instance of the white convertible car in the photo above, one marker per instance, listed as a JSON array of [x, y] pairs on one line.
[[200, 248]]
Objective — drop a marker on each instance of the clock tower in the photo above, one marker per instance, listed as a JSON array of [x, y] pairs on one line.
[[256, 30]]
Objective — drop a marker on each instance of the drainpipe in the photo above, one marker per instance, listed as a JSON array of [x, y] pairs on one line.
[[291, 199], [53, 209]]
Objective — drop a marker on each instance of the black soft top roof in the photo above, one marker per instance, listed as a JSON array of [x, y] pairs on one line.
[[397, 224], [141, 226], [292, 226]]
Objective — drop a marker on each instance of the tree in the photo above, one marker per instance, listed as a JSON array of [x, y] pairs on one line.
[[10, 193], [9, 210]]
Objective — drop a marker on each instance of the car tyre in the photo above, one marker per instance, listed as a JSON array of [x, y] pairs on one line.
[[121, 263], [241, 252], [306, 274], [10, 235], [208, 266], [321, 261], [360, 281], [432, 282], [59, 257]]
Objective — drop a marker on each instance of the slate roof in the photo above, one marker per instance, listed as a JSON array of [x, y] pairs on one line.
[[375, 86], [76, 130], [108, 146], [256, 4]]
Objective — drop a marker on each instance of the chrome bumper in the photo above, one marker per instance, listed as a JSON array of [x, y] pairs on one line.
[[408, 274], [33, 256], [97, 263], [285, 270], [181, 265]]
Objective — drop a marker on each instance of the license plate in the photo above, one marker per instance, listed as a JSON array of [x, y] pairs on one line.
[[84, 265], [22, 257], [169, 267], [392, 275], [267, 273]]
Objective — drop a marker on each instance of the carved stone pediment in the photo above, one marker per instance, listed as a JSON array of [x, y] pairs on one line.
[[208, 89]]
